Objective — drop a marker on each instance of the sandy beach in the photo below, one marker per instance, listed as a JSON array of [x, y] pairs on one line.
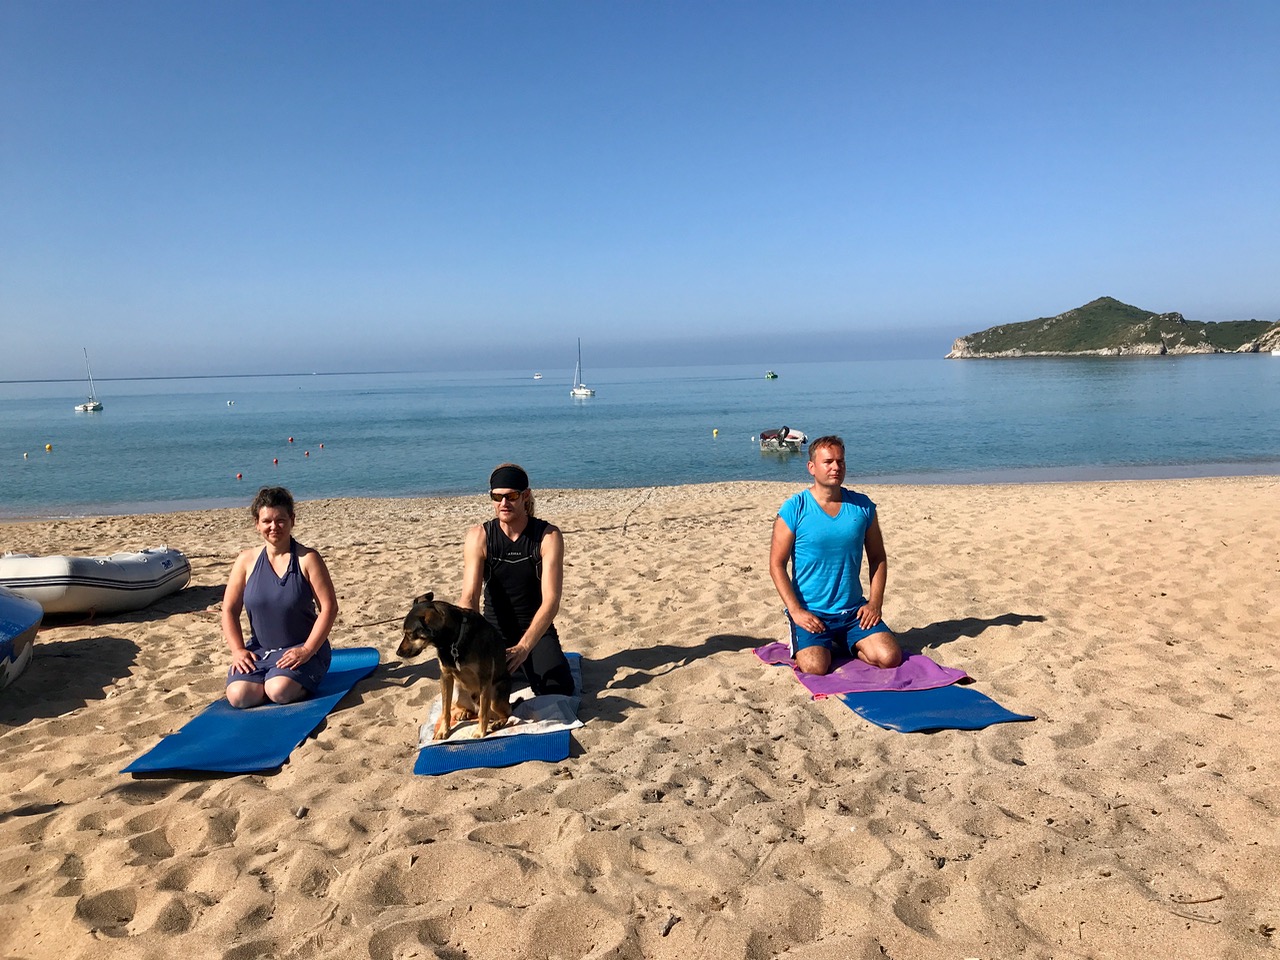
[[710, 807]]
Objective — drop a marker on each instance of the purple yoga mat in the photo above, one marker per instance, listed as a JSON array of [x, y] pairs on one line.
[[917, 672]]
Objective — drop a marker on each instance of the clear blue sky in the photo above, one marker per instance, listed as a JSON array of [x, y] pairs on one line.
[[235, 187]]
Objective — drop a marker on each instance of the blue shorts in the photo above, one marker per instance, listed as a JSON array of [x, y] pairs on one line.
[[308, 675], [843, 632]]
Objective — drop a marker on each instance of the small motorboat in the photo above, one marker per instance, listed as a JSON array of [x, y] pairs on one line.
[[785, 440], [114, 584], [19, 621], [770, 375]]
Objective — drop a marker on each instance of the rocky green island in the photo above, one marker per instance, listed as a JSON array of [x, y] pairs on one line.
[[1108, 328]]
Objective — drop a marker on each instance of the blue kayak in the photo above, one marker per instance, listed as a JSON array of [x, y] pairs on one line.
[[19, 620]]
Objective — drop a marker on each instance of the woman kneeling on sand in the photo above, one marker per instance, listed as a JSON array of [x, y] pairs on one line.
[[286, 590]]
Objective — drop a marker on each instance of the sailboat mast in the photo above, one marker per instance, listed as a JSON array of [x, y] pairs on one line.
[[93, 394]]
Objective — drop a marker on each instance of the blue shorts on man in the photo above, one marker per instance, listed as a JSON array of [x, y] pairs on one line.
[[843, 633]]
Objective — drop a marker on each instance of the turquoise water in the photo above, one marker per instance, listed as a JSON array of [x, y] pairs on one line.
[[172, 444]]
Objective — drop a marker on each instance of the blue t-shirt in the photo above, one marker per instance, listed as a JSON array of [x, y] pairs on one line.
[[826, 560]]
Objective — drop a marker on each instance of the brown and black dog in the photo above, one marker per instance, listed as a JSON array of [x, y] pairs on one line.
[[473, 656]]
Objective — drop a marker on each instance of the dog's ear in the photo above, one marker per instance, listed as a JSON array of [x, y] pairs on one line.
[[425, 598]]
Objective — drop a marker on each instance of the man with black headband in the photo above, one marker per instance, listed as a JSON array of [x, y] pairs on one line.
[[515, 562]]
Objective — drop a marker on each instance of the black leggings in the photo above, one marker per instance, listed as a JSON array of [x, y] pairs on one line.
[[546, 669]]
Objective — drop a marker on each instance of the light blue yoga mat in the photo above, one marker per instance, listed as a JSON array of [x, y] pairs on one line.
[[942, 708], [505, 748], [224, 739]]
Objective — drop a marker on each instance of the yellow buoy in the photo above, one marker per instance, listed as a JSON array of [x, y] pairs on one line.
[[715, 432]]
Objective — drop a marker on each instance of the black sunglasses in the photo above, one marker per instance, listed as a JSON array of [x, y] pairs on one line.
[[509, 497]]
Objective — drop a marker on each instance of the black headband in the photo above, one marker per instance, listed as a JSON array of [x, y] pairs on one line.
[[509, 478]]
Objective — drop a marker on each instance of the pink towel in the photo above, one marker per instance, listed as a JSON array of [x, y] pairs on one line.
[[916, 672]]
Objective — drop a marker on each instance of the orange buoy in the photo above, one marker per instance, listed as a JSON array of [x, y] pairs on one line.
[[275, 460], [239, 476], [291, 439], [306, 453], [322, 446]]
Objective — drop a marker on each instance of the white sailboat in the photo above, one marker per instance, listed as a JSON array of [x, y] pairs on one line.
[[92, 405], [580, 389]]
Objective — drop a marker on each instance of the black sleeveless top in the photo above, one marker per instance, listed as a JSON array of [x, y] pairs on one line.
[[513, 578]]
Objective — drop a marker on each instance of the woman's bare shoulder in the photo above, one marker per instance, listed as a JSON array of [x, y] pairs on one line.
[[308, 556], [249, 555]]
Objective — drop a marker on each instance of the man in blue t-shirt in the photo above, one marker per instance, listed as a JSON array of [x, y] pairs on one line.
[[822, 533]]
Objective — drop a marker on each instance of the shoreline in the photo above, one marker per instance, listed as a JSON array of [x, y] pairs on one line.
[[1005, 477], [709, 806]]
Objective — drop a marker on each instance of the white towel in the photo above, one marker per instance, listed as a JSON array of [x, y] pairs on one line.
[[543, 714]]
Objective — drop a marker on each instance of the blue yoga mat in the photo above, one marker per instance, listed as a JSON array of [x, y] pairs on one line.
[[943, 708], [492, 752], [224, 739], [506, 750]]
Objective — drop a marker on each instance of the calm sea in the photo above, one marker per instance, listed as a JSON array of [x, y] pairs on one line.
[[173, 444]]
